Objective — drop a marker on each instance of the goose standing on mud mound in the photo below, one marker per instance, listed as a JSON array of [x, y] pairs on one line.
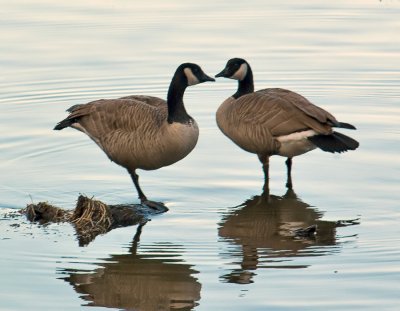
[[276, 121], [142, 132]]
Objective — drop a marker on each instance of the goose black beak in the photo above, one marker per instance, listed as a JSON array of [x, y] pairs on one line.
[[221, 74], [206, 78]]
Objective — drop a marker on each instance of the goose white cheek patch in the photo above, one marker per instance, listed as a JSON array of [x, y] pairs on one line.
[[240, 73], [192, 79]]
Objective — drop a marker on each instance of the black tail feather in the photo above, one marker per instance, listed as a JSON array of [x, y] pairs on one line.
[[346, 126], [72, 108], [69, 120], [336, 142], [63, 124]]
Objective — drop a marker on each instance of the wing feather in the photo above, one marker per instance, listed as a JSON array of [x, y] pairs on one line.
[[120, 124], [278, 110]]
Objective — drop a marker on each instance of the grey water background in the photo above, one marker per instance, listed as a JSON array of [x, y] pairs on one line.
[[220, 247]]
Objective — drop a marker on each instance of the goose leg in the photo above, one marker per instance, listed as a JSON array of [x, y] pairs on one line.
[[158, 206], [135, 179], [289, 184], [265, 163]]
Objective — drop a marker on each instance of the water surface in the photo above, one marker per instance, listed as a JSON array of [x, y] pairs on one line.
[[222, 246]]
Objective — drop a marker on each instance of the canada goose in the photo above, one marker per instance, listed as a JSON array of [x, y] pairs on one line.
[[142, 132], [276, 121]]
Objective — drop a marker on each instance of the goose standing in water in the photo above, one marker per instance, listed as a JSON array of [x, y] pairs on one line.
[[142, 132], [276, 121]]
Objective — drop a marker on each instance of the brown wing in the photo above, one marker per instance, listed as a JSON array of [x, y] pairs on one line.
[[278, 111], [104, 117], [120, 127], [149, 100], [289, 97]]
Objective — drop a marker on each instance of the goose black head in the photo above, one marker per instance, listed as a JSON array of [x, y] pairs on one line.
[[193, 74], [236, 68]]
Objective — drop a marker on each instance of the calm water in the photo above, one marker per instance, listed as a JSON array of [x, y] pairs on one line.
[[221, 246]]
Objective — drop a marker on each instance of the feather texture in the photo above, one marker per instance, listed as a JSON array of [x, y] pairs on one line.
[[336, 142], [256, 120], [133, 131]]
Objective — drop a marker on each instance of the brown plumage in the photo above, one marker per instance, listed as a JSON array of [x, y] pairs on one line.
[[145, 141], [276, 121], [142, 132]]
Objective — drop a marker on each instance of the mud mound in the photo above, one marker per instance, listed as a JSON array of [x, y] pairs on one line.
[[90, 217]]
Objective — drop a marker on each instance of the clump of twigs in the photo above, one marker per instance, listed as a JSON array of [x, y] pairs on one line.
[[90, 217]]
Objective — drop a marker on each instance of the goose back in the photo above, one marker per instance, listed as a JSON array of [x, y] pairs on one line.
[[133, 131], [149, 100], [289, 97]]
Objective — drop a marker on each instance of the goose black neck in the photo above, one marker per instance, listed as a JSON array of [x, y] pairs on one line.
[[176, 108], [246, 85]]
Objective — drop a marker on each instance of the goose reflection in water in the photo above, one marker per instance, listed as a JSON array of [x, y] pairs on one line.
[[156, 280], [267, 231]]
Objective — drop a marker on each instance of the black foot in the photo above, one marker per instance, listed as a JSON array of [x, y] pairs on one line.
[[157, 206], [289, 185], [306, 232]]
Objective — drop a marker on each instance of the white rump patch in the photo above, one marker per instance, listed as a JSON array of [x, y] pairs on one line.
[[241, 73], [296, 143], [192, 79], [296, 136]]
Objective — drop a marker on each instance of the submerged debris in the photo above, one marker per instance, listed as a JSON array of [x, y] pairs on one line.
[[90, 217], [348, 222], [43, 213], [308, 232]]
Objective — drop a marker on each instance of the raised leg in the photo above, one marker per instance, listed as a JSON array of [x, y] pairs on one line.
[[289, 183]]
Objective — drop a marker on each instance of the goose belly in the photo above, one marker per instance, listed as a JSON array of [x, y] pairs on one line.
[[248, 142], [295, 144], [164, 148], [180, 140]]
